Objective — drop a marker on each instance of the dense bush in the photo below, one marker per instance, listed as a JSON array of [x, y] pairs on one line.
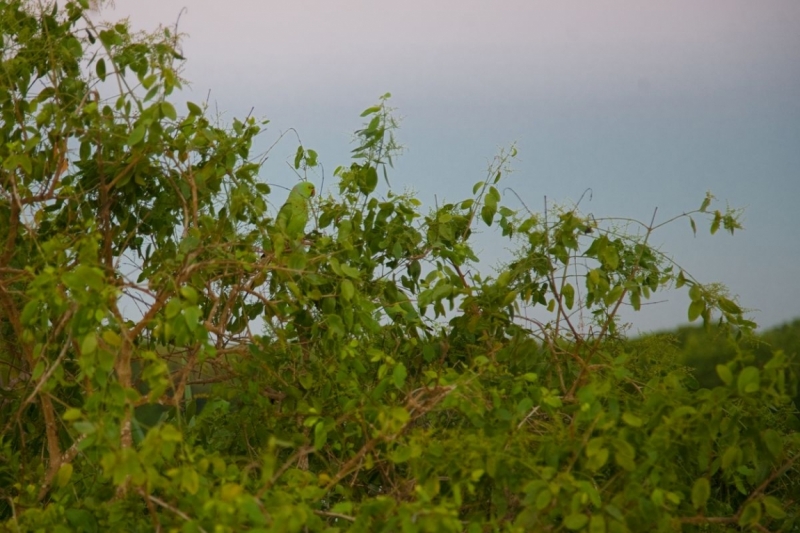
[[365, 377]]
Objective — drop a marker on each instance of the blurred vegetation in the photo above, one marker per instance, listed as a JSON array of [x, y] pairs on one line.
[[364, 373], [702, 348]]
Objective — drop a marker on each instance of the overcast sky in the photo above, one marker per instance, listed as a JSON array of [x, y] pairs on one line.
[[649, 104]]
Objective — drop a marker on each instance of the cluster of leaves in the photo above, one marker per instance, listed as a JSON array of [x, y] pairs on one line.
[[158, 370]]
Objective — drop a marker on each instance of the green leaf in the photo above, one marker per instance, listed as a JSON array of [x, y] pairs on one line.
[[64, 474], [696, 308], [610, 257], [320, 435], [729, 307], [335, 266], [38, 369], [749, 380], [189, 294], [696, 293], [657, 497], [701, 490], [731, 457], [81, 519], [169, 110], [137, 135], [774, 507], [576, 521], [350, 271], [597, 524], [89, 344], [370, 180], [598, 460], [193, 315], [632, 420], [613, 295], [492, 197], [568, 292], [373, 125], [401, 454], [173, 308], [91, 277], [624, 454], [29, 312], [694, 226], [348, 290], [71, 414], [636, 299], [725, 374], [773, 441], [370, 110], [100, 68], [716, 222], [553, 401], [543, 499], [487, 214], [399, 375], [194, 109], [85, 427], [751, 515]]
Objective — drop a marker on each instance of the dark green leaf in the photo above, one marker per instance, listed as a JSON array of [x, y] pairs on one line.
[[751, 515], [774, 442], [701, 490], [487, 214], [100, 68], [194, 109]]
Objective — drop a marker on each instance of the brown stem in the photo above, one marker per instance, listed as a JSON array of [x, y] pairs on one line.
[[53, 447]]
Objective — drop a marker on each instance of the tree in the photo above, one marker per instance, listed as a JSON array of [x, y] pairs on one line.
[[389, 387]]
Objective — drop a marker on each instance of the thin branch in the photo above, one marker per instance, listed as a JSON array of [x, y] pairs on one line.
[[335, 515], [165, 505]]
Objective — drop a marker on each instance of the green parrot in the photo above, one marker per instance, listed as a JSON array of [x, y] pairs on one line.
[[293, 217]]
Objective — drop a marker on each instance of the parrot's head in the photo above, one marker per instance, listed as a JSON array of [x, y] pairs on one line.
[[305, 189]]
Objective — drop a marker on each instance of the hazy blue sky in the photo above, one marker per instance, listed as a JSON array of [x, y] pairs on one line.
[[648, 103]]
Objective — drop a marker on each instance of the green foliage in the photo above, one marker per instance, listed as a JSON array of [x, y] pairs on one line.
[[160, 371]]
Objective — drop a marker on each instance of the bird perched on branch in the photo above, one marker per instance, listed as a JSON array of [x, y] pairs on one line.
[[292, 218], [293, 215]]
